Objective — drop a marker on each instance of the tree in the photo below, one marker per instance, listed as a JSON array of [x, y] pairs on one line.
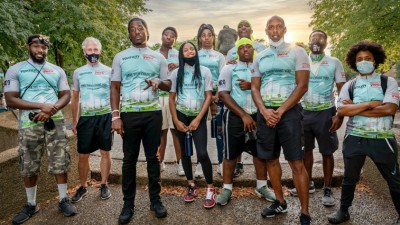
[[350, 21]]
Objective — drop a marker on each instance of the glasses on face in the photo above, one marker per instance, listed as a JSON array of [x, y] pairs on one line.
[[277, 27]]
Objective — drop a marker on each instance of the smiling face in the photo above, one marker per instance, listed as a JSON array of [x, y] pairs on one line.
[[275, 29], [138, 34], [188, 50], [244, 30], [245, 53], [37, 52]]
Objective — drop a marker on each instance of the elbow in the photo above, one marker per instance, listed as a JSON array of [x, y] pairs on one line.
[[340, 112]]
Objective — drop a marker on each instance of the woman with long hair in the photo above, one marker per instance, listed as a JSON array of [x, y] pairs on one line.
[[189, 99]]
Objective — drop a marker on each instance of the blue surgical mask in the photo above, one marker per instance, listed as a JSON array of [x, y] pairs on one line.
[[365, 67]]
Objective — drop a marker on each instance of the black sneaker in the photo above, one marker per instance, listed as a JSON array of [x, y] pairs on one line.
[[125, 215], [105, 192], [159, 209], [238, 170], [79, 194], [338, 217], [66, 207], [305, 219], [274, 209], [26, 213]]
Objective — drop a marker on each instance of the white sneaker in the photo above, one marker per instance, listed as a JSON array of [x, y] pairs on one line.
[[199, 171], [162, 166], [220, 169], [179, 169]]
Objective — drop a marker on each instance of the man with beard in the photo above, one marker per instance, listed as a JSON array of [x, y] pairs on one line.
[[91, 105], [40, 90], [134, 70]]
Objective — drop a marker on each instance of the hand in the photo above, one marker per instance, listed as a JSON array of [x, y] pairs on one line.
[[213, 108], [194, 124], [270, 116], [244, 84], [118, 126], [74, 128], [172, 66], [336, 123], [231, 62], [347, 101], [215, 98], [373, 104], [152, 83], [248, 122], [181, 126], [41, 116], [48, 108]]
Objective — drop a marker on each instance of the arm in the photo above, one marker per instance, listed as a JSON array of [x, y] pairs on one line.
[[385, 109], [207, 101], [75, 110], [227, 99], [172, 107], [350, 109], [115, 91], [337, 120], [270, 118]]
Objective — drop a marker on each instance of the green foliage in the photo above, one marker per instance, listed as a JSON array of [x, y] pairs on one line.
[[67, 23], [350, 21]]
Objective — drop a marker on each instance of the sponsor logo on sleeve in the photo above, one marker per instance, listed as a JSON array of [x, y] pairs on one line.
[[395, 95], [343, 74], [305, 65], [221, 83], [7, 82]]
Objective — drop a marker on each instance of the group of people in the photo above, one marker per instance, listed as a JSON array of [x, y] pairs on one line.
[[263, 100]]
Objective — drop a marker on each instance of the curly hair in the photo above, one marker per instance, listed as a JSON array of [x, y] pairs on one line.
[[373, 47]]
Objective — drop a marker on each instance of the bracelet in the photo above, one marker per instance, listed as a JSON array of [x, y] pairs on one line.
[[115, 110], [115, 118]]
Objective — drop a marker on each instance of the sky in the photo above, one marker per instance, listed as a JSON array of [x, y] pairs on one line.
[[187, 15]]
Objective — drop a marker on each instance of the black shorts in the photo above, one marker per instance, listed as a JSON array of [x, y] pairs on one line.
[[316, 125], [234, 136], [94, 132], [286, 134]]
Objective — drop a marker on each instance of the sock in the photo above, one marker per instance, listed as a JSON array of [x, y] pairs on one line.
[[31, 195], [228, 186], [192, 184], [261, 183], [210, 190], [62, 191]]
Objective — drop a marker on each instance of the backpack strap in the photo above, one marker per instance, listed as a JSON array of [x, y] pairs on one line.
[[351, 88], [384, 81]]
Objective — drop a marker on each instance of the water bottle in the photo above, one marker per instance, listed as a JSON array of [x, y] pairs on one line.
[[213, 127], [188, 144]]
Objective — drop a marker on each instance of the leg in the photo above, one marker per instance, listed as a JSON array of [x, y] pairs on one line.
[[200, 141], [83, 169], [301, 182], [177, 146], [275, 175], [309, 162], [105, 165], [229, 167], [328, 165], [163, 145]]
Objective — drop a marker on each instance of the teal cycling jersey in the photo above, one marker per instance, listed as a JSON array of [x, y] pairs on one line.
[[323, 76], [232, 53], [366, 89], [132, 67], [277, 68], [34, 86], [93, 84], [173, 57], [228, 81], [190, 99], [214, 61]]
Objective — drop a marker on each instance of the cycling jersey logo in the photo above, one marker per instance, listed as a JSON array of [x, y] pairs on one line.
[[221, 83], [283, 54], [375, 84], [213, 56], [305, 65], [48, 70], [131, 57], [173, 55], [99, 72], [343, 74], [324, 63], [148, 57]]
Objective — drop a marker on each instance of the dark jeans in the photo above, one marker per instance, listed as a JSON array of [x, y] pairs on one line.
[[146, 127], [200, 141]]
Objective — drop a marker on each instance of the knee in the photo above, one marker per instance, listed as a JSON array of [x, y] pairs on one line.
[[83, 157], [203, 156], [105, 154], [297, 166]]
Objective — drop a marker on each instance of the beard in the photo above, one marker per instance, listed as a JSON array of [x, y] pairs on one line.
[[35, 60]]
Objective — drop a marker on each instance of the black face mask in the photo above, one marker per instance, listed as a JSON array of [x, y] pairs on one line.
[[316, 48], [191, 61], [93, 58]]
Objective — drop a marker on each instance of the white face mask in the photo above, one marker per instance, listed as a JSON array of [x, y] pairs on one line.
[[276, 44]]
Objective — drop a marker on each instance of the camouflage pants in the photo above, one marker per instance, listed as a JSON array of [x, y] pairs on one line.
[[32, 142]]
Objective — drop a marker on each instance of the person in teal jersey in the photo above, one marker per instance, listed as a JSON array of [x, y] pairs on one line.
[[214, 61], [320, 121], [91, 105], [39, 89], [244, 29], [369, 130], [189, 100], [280, 76], [168, 39], [234, 86], [138, 118]]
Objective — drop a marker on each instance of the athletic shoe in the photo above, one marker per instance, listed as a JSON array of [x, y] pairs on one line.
[[26, 213], [179, 169], [338, 217], [274, 209], [66, 207], [209, 201], [105, 192], [305, 219], [311, 189], [79, 194], [238, 170], [199, 171], [191, 193], [162, 166], [220, 169], [125, 215], [159, 209], [327, 199], [265, 192], [224, 197]]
